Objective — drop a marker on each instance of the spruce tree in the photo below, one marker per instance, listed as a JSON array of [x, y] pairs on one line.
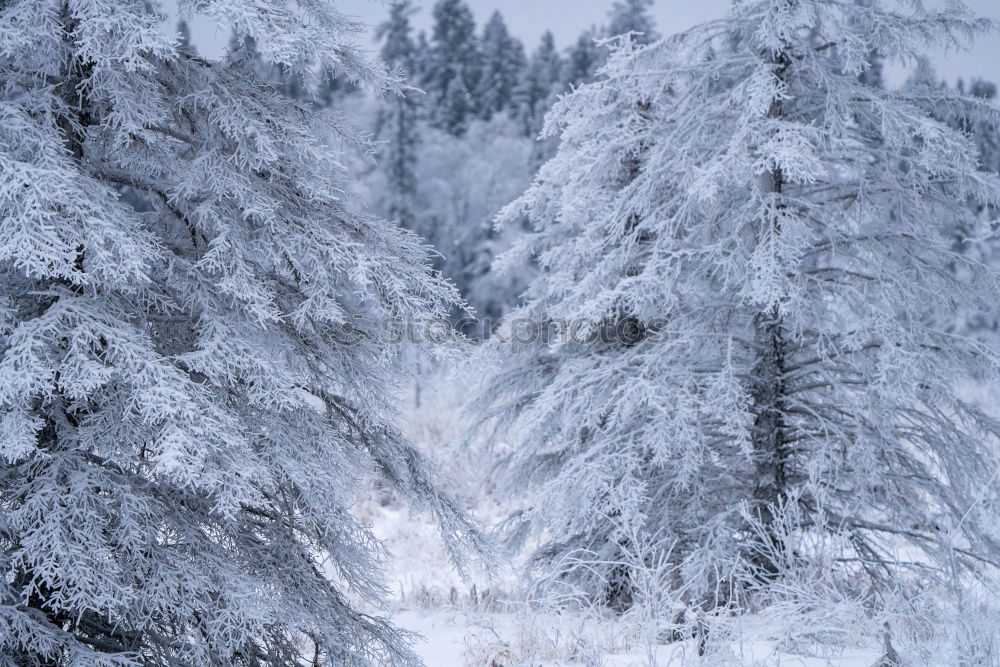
[[397, 122], [538, 85], [196, 348], [735, 348], [457, 108], [633, 16], [453, 68], [503, 62], [422, 64], [583, 60]]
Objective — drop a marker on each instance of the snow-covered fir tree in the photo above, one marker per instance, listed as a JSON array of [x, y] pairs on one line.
[[736, 349], [979, 239], [397, 121], [447, 183], [456, 109], [503, 63], [633, 16], [196, 349], [583, 60], [586, 56], [453, 67], [538, 85], [423, 57]]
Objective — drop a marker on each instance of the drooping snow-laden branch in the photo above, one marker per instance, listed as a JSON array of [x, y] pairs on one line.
[[186, 290]]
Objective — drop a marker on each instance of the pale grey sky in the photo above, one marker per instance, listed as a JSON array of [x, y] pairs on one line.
[[567, 18]]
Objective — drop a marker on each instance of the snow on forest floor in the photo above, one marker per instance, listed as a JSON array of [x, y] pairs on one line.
[[461, 625], [483, 621], [465, 623], [454, 638]]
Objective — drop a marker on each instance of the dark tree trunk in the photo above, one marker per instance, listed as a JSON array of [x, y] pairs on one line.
[[768, 435]]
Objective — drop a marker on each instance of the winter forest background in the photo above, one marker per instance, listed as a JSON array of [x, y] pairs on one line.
[[646, 348]]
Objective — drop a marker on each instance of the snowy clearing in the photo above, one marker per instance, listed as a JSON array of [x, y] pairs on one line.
[[469, 639]]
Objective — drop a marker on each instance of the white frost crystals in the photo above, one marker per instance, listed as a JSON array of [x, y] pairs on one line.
[[742, 183], [178, 268], [767, 264]]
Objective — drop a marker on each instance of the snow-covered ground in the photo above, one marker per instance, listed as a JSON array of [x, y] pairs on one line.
[[475, 639], [483, 620], [466, 623]]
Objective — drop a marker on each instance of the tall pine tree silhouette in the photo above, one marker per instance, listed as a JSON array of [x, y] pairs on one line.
[[503, 65], [397, 122], [454, 67]]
